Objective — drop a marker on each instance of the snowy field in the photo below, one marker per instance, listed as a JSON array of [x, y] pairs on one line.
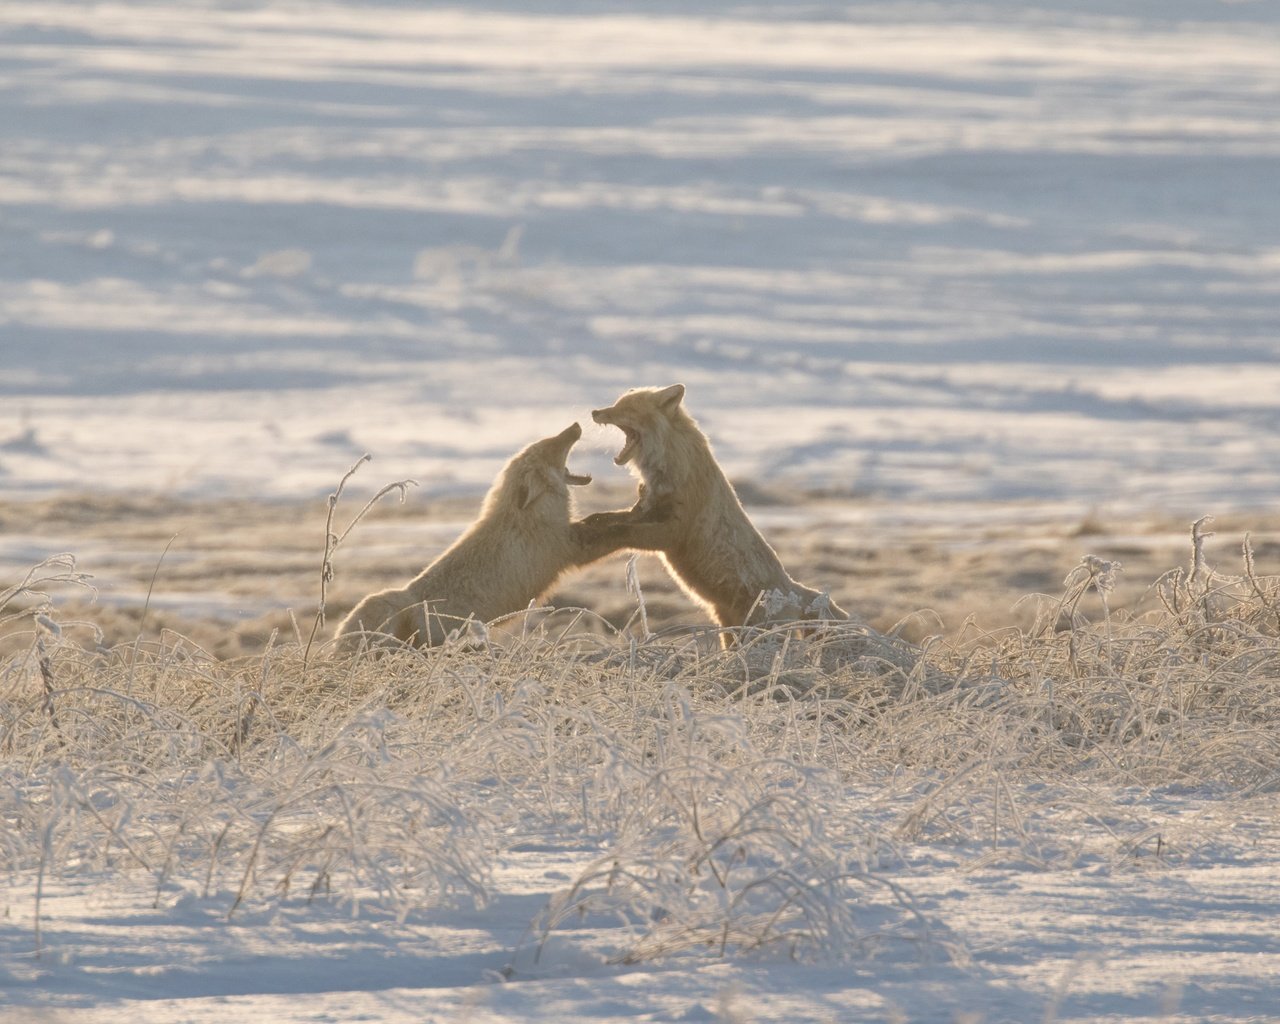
[[978, 285], [915, 250]]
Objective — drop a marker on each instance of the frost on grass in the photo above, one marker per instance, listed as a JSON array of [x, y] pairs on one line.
[[157, 759], [765, 799], [718, 847]]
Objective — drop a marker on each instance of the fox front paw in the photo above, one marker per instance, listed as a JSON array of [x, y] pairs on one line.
[[661, 509]]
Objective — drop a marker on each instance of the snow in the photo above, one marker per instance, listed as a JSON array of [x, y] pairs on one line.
[[956, 252], [1160, 943], [938, 254]]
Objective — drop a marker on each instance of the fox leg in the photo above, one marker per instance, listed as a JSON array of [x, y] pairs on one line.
[[643, 527]]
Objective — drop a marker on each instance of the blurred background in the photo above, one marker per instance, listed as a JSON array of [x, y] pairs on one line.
[[925, 269]]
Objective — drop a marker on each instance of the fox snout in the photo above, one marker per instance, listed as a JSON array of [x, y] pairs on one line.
[[601, 415]]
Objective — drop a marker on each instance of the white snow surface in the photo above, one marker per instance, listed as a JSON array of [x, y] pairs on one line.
[[1146, 940], [918, 251]]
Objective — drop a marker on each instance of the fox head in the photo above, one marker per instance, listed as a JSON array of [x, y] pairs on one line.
[[646, 417], [537, 478]]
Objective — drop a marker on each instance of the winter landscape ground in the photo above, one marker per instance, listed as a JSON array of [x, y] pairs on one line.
[[962, 292]]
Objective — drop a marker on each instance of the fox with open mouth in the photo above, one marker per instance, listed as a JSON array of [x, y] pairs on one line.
[[688, 511], [520, 544]]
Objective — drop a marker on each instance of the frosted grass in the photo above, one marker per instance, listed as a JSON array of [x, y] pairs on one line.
[[759, 801]]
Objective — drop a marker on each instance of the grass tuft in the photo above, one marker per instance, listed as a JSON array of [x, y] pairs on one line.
[[764, 799]]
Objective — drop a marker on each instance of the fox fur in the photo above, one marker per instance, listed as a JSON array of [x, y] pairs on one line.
[[514, 552], [689, 512]]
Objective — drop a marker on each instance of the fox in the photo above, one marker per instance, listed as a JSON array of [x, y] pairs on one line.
[[688, 512], [522, 541]]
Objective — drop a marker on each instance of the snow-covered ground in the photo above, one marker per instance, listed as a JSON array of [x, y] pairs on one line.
[[1180, 945], [961, 250], [915, 251]]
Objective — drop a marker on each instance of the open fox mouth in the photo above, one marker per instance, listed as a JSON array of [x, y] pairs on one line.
[[577, 479], [629, 448]]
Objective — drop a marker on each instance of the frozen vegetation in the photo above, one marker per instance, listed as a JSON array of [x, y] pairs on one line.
[[557, 820]]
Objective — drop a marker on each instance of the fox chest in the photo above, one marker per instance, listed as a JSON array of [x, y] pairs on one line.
[[722, 555]]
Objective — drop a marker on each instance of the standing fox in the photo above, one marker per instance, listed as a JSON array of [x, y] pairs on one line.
[[688, 511], [511, 555]]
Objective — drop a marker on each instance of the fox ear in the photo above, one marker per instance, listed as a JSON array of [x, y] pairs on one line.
[[669, 398], [529, 490]]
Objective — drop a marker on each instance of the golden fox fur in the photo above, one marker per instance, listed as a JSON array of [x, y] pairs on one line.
[[688, 511], [510, 556]]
